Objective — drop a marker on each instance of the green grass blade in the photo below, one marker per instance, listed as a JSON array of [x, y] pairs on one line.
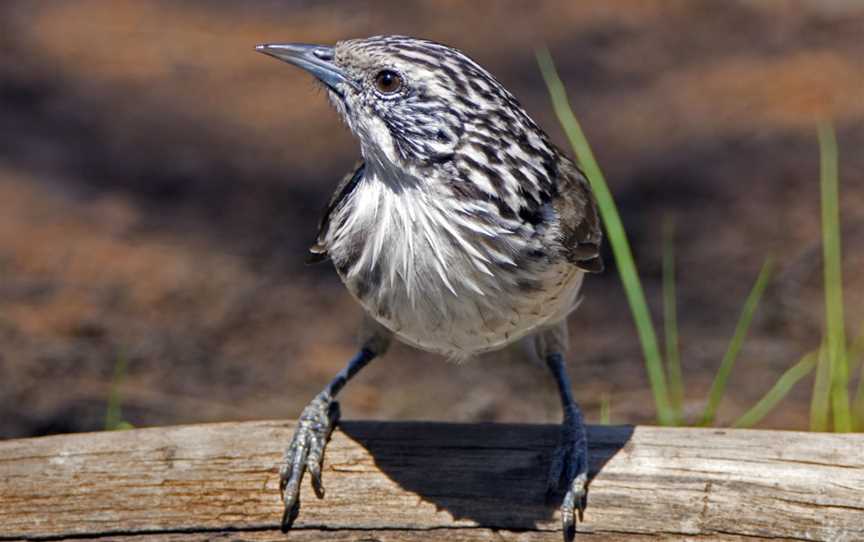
[[777, 392], [617, 237], [856, 352], [605, 409], [113, 411], [670, 322], [718, 387], [835, 324], [820, 402]]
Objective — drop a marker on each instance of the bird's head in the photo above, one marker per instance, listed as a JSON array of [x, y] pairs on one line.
[[409, 101]]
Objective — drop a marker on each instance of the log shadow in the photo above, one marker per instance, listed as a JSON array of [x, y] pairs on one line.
[[499, 484]]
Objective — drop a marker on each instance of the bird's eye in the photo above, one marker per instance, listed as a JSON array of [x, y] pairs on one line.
[[388, 81]]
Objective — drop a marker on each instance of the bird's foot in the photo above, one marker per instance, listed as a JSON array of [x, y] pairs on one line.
[[306, 452], [568, 474]]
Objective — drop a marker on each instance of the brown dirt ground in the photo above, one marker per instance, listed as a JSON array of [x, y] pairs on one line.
[[160, 182]]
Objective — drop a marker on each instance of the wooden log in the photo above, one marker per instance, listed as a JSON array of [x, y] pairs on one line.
[[432, 481]]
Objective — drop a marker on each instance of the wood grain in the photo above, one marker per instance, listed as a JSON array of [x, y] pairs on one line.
[[432, 481]]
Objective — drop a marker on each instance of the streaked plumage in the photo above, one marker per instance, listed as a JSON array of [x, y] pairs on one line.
[[463, 230]]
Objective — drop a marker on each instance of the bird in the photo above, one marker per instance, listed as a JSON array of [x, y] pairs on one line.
[[463, 230]]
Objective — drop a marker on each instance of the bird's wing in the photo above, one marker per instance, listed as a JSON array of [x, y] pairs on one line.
[[579, 221], [343, 190]]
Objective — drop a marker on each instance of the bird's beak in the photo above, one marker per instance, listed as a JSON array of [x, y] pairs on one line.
[[315, 59]]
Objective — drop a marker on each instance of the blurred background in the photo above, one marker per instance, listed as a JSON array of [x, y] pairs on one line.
[[160, 184]]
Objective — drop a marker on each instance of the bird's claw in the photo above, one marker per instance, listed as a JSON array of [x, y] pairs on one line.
[[573, 506], [306, 452], [569, 474]]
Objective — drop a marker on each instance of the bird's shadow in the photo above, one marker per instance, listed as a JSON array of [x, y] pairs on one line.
[[494, 475]]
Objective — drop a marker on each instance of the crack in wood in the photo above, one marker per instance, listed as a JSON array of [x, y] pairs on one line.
[[477, 483]]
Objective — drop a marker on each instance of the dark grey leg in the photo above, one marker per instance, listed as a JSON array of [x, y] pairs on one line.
[[569, 470], [314, 427]]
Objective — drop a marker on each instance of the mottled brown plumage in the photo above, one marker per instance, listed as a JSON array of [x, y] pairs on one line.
[[581, 235]]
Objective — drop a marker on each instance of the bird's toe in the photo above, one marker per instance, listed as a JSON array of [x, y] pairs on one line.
[[306, 452]]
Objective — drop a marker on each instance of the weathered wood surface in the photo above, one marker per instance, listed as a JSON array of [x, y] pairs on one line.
[[423, 481]]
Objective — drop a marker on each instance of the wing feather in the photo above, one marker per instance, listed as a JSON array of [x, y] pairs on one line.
[[343, 190], [579, 221]]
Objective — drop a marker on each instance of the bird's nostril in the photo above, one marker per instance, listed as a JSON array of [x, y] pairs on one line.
[[324, 53]]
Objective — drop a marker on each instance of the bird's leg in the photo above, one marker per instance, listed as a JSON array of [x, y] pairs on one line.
[[568, 473], [317, 421], [306, 451]]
